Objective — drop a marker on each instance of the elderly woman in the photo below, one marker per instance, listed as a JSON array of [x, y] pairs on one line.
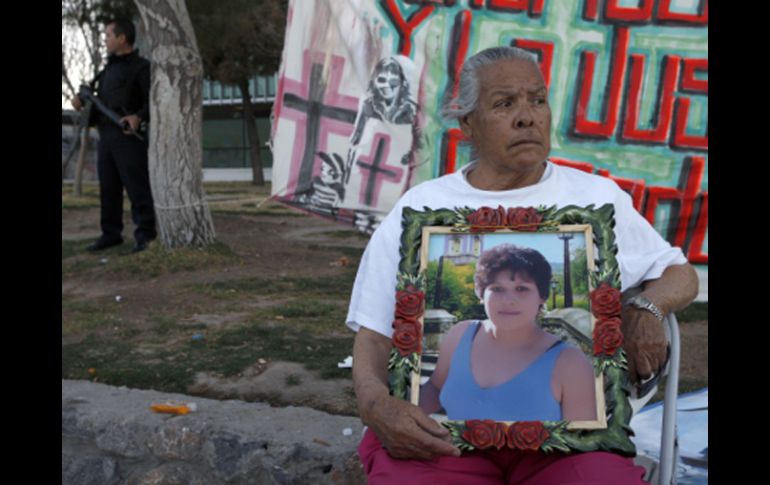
[[502, 108], [513, 370]]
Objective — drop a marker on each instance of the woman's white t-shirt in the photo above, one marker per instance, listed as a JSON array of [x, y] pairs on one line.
[[642, 253]]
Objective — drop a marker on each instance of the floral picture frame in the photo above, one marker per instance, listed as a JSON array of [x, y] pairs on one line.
[[609, 357]]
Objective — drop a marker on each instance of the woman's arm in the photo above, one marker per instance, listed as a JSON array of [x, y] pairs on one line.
[[429, 392], [429, 401], [577, 384]]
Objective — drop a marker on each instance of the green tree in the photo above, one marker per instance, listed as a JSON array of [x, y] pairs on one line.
[[239, 39], [457, 295], [579, 271]]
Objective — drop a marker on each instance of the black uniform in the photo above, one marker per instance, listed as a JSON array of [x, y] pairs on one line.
[[124, 86]]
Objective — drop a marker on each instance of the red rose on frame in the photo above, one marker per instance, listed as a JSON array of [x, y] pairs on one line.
[[407, 336], [523, 219], [605, 301], [501, 430], [527, 435], [484, 433], [409, 303], [487, 216], [607, 336]]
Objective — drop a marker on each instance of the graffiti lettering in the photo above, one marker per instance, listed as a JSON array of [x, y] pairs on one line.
[[667, 17], [457, 53], [665, 105], [640, 15], [405, 28], [449, 142], [658, 11], [591, 10], [508, 5], [635, 187], [544, 52], [690, 181], [682, 200], [583, 166], [601, 129], [459, 47], [681, 139], [533, 7], [681, 230], [443, 3], [695, 254], [689, 82]]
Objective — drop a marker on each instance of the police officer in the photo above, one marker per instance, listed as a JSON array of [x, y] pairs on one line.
[[124, 86]]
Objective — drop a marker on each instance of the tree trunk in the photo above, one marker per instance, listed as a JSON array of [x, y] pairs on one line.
[[77, 186], [175, 135], [71, 151], [257, 175]]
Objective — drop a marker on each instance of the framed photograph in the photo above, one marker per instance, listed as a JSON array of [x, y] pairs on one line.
[[507, 327]]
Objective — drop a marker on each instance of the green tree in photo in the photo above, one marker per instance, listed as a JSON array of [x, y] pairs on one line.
[[456, 295], [579, 272]]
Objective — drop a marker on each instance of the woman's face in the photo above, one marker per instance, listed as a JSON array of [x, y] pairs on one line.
[[388, 83], [512, 300]]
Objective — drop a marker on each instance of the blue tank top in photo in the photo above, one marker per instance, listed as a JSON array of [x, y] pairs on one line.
[[525, 397]]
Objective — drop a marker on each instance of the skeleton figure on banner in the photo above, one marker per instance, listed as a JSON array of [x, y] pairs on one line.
[[377, 165]]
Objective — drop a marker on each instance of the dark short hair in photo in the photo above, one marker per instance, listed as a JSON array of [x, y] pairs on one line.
[[124, 27], [516, 259]]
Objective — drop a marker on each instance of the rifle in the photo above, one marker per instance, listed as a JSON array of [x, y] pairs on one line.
[[88, 95]]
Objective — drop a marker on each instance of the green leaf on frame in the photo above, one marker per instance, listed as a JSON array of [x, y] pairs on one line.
[[405, 279], [598, 367], [461, 228], [394, 357], [414, 361], [549, 447], [462, 214], [556, 426], [548, 228], [464, 446]]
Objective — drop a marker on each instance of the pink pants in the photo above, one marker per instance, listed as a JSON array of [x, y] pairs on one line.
[[506, 466]]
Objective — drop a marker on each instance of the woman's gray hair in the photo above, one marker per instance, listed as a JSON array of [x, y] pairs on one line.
[[467, 99]]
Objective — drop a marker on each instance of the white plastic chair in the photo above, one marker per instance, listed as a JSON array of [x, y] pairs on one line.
[[663, 472], [669, 447]]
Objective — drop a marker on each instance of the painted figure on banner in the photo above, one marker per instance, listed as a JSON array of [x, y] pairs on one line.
[[378, 163], [327, 190], [388, 102]]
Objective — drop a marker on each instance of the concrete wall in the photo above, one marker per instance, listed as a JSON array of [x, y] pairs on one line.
[[111, 436]]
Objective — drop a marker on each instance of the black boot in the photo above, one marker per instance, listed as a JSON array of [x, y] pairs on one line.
[[104, 243]]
